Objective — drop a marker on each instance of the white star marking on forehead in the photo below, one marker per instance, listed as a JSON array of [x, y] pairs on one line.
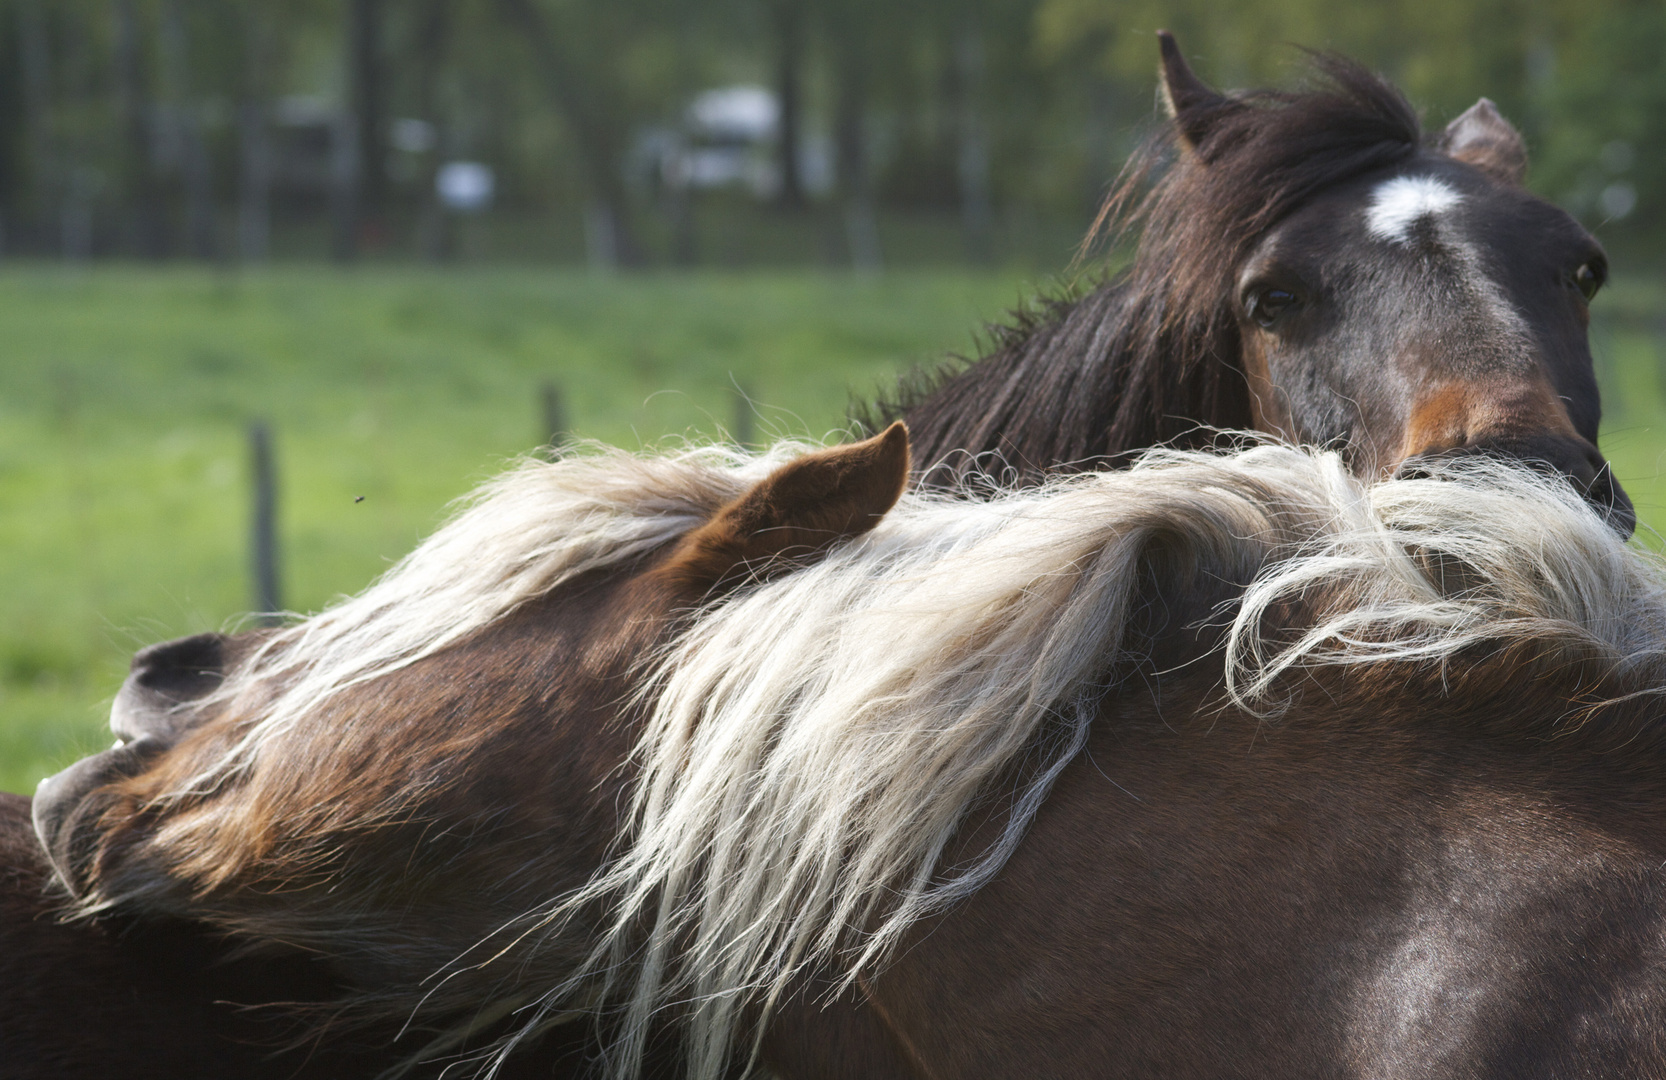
[[1398, 204]]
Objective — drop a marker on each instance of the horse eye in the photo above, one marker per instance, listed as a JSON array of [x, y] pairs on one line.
[[1588, 279], [1267, 305]]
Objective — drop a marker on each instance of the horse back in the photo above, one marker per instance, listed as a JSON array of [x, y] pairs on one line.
[[1377, 884]]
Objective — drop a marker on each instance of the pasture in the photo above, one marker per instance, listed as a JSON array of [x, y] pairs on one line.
[[125, 394]]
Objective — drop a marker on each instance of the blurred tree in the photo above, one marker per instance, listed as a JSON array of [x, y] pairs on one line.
[[145, 227], [852, 31], [14, 130], [35, 64], [152, 127], [577, 49], [260, 40], [184, 116], [361, 202], [788, 20], [433, 25]]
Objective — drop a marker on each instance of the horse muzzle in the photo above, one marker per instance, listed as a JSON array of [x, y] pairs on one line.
[[1570, 457], [67, 806], [147, 717]]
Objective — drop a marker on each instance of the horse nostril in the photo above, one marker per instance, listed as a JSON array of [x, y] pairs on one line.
[[1417, 467]]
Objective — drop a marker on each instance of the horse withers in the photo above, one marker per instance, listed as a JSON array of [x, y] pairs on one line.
[[1308, 265], [1218, 765]]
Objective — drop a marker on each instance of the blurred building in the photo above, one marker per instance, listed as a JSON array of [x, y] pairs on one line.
[[728, 138]]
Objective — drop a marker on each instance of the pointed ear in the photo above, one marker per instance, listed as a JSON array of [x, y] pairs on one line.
[[1193, 104], [797, 512], [1483, 138]]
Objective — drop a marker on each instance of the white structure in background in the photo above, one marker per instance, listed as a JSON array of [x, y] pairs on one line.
[[727, 139], [465, 186], [413, 136]]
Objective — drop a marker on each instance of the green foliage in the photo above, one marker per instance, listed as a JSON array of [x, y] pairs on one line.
[[1585, 82]]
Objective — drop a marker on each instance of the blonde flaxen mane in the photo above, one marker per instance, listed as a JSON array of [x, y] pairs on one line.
[[815, 741]]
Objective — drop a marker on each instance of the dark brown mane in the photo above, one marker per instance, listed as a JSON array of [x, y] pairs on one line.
[[1153, 354]]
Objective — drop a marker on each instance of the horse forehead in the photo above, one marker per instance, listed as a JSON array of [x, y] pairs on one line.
[[1434, 227], [1395, 206]]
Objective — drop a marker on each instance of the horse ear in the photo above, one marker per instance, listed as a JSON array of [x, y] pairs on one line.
[[1194, 105], [1483, 138], [798, 511]]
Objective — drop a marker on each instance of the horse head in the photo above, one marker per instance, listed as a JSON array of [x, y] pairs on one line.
[[1425, 306], [1309, 266]]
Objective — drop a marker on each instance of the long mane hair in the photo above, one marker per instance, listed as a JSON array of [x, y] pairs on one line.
[[1153, 355], [814, 743]]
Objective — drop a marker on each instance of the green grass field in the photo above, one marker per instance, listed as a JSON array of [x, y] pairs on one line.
[[125, 395]]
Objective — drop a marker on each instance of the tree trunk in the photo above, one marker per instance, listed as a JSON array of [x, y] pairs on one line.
[[596, 130], [434, 232], [972, 164], [75, 217], [146, 233], [36, 62], [344, 187], [195, 170], [789, 63], [200, 231], [851, 145], [364, 77], [254, 136], [601, 236], [254, 187]]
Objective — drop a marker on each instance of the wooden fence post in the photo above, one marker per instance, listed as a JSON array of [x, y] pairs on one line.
[[744, 415], [554, 414], [264, 525]]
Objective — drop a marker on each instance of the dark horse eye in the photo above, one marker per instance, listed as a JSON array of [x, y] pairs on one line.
[[1266, 305], [1588, 279]]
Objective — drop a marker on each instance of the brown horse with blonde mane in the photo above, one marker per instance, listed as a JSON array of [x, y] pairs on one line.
[[994, 787], [1218, 764]]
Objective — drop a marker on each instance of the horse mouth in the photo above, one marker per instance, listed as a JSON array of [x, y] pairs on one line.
[[1575, 460]]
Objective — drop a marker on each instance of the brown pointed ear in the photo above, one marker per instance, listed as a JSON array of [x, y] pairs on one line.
[[1193, 104], [797, 512], [1483, 138]]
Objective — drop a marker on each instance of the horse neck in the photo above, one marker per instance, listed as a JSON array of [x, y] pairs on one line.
[[1090, 381]]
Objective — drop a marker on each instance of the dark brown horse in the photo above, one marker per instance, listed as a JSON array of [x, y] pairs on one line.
[[1310, 267], [1002, 788]]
